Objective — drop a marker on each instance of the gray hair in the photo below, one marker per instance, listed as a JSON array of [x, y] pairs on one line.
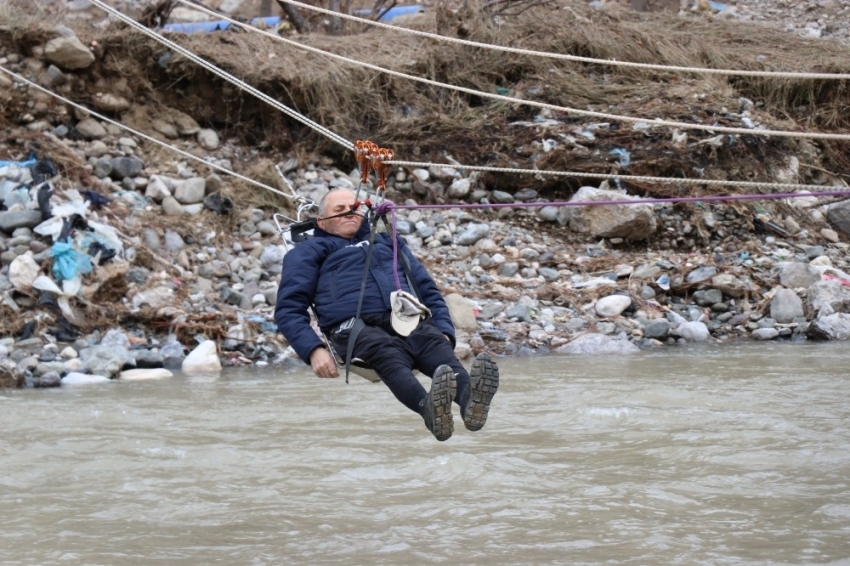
[[323, 200]]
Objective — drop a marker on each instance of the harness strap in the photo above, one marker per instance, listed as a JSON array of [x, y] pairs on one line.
[[358, 323]]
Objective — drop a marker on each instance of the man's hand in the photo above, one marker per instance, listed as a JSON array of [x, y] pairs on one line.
[[323, 363]]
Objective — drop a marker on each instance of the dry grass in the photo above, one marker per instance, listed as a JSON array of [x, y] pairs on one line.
[[423, 122]]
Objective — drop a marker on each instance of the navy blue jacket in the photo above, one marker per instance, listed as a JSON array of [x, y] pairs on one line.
[[326, 271]]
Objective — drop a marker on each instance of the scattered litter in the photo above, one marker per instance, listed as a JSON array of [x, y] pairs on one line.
[[549, 145], [67, 262], [218, 203], [96, 199], [22, 164], [218, 25], [624, 158]]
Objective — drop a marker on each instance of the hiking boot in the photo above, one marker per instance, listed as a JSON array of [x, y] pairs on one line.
[[437, 405], [483, 383]]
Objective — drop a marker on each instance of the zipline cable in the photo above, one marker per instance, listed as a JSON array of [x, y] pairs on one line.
[[577, 58], [303, 200], [226, 76], [568, 110], [633, 178], [293, 197]]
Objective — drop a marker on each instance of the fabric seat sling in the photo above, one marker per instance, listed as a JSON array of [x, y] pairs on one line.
[[358, 322]]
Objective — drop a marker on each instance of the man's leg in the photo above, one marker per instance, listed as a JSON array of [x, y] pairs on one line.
[[391, 358], [474, 392], [431, 349]]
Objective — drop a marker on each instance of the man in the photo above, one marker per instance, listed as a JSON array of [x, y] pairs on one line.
[[329, 270]]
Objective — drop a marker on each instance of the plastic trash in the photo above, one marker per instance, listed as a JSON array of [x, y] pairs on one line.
[[392, 13], [43, 170], [45, 191], [274, 21], [105, 253], [22, 164], [67, 262], [663, 282], [623, 156], [218, 203], [106, 235], [97, 200]]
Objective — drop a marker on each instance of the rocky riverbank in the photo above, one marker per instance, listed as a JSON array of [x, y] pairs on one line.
[[116, 255]]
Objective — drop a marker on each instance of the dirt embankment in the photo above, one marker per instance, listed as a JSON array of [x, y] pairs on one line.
[[427, 123]]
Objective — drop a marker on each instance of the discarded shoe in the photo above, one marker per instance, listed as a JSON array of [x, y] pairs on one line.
[[483, 384], [437, 405]]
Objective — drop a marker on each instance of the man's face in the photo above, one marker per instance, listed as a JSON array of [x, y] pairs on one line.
[[344, 226]]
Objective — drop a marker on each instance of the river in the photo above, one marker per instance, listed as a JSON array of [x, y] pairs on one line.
[[732, 454]]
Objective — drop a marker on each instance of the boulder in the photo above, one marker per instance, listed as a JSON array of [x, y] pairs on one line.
[[630, 222], [202, 359], [68, 53]]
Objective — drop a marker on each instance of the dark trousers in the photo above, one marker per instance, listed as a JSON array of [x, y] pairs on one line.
[[395, 357]]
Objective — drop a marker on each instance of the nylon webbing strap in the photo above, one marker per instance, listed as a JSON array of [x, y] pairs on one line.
[[358, 324]]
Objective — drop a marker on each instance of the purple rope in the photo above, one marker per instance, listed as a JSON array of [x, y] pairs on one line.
[[382, 210], [395, 243], [388, 207]]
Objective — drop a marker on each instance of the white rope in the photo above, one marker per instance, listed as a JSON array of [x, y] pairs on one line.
[[588, 113], [426, 165], [610, 62], [228, 77], [294, 197], [633, 178]]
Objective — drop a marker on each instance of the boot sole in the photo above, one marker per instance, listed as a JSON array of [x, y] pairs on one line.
[[484, 382], [443, 387]]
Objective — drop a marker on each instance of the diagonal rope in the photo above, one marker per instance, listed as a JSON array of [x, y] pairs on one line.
[[632, 178], [294, 197], [389, 206], [227, 76], [577, 58], [568, 110]]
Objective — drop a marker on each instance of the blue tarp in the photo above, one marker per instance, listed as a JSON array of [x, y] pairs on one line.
[[272, 21]]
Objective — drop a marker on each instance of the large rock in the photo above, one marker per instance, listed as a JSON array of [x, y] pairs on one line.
[[155, 297], [68, 53], [798, 275], [831, 293], [90, 128], [106, 360], [786, 306], [731, 285], [593, 343], [839, 216], [190, 191], [630, 222], [834, 326], [14, 219], [693, 331], [612, 305], [108, 102], [144, 374], [23, 271], [462, 311], [202, 359], [76, 378]]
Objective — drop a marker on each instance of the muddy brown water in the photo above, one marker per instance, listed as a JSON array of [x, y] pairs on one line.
[[735, 454]]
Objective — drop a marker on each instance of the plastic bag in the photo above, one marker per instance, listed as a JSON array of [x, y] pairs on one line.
[[67, 262]]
